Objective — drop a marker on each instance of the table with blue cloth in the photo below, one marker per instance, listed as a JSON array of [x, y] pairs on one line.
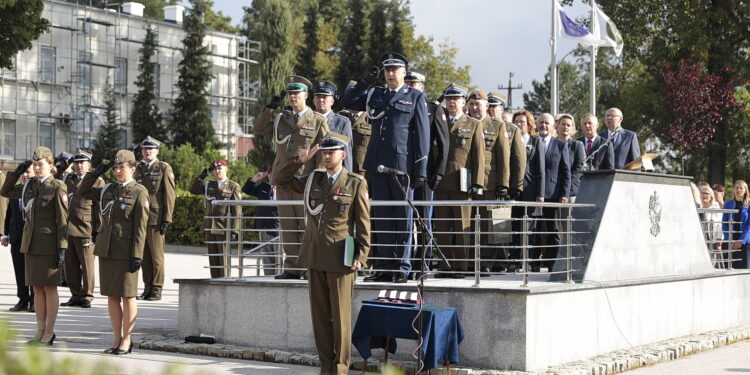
[[378, 324]]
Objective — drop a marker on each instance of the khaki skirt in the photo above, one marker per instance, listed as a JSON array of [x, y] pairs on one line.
[[115, 280], [39, 271]]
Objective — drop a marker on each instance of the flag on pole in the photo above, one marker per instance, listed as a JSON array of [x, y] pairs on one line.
[[607, 32], [573, 30]]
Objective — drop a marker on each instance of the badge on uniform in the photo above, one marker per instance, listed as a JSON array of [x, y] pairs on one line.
[[507, 135], [122, 206], [406, 102]]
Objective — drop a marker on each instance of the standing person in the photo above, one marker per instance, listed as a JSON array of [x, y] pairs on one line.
[[337, 207], [63, 165], [215, 225], [466, 153], [711, 224], [719, 194], [518, 155], [14, 222], [401, 141], [45, 236], [740, 231], [266, 218], [157, 177], [625, 143], [295, 130], [124, 209], [323, 99], [361, 131], [566, 128], [83, 223], [592, 142]]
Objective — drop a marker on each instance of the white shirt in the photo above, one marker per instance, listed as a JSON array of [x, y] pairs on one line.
[[221, 182], [525, 138], [458, 116], [546, 141], [41, 181], [126, 183], [300, 114], [149, 164]]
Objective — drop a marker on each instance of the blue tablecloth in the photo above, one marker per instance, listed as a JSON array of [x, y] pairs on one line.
[[442, 331]]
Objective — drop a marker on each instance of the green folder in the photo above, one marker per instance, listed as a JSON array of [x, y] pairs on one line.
[[350, 248]]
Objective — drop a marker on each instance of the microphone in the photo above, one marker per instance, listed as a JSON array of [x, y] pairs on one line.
[[393, 171]]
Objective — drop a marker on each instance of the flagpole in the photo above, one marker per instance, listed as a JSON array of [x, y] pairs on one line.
[[553, 66], [592, 84]]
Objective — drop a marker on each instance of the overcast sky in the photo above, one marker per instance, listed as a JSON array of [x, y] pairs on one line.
[[494, 37]]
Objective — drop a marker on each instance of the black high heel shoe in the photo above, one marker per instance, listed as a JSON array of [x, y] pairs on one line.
[[119, 351], [51, 340]]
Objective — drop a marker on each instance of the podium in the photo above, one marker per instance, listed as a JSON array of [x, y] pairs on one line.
[[643, 163]]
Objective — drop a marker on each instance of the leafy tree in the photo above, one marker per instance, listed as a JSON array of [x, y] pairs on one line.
[[108, 139], [218, 21], [152, 8], [574, 91], [353, 43], [22, 23], [440, 67], [145, 118], [306, 66], [378, 31], [191, 122]]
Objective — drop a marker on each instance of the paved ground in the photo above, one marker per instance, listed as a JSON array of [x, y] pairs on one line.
[[733, 359]]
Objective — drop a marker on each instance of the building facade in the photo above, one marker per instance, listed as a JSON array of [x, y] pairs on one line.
[[54, 96]]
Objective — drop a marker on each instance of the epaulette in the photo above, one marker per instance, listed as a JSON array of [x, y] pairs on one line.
[[58, 182], [164, 163], [357, 176], [344, 112], [319, 114]]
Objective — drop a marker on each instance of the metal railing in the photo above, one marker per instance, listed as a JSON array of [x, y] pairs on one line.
[[720, 249]]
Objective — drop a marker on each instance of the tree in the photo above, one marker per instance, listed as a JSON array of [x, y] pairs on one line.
[[145, 118], [440, 67], [191, 121], [218, 21], [108, 139], [353, 43], [22, 23], [574, 91]]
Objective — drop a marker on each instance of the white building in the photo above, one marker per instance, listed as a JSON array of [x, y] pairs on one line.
[[55, 95]]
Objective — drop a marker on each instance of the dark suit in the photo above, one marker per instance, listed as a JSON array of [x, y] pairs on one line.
[[14, 230], [533, 187], [604, 159], [557, 185], [626, 147], [342, 125], [577, 153]]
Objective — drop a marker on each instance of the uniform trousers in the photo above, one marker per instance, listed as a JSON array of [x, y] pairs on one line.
[[268, 252], [549, 238], [424, 193], [453, 228], [490, 254], [24, 292], [391, 225], [153, 260], [217, 248], [292, 223], [331, 310], [79, 268]]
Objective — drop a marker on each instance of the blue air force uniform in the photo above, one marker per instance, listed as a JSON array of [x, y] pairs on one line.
[[336, 123]]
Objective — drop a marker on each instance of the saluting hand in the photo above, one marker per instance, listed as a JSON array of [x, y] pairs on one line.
[[23, 167], [276, 100], [305, 157]]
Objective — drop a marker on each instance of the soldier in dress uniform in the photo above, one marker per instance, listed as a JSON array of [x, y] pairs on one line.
[[324, 96], [120, 245], [361, 130], [45, 235], [62, 165], [295, 130], [466, 152], [517, 147], [337, 206], [401, 141], [83, 222], [157, 177], [216, 228]]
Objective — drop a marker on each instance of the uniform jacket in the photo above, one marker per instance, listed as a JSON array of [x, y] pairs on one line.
[[439, 139], [400, 127], [267, 217], [535, 176], [333, 213], [466, 151], [604, 159], [292, 137], [46, 209], [159, 181], [517, 156], [496, 155], [14, 222], [342, 125], [83, 217], [577, 154], [626, 147], [210, 190], [361, 130], [124, 212], [557, 170]]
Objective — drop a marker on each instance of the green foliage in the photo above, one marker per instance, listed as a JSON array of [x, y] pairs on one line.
[[191, 121], [440, 67], [108, 139], [187, 220], [574, 92], [22, 23], [145, 118], [353, 43], [218, 21]]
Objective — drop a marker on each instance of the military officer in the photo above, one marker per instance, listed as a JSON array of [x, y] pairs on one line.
[[83, 222], [45, 235], [401, 141], [323, 99], [516, 143], [216, 229], [361, 130], [157, 177], [466, 152], [337, 206], [124, 210], [295, 130]]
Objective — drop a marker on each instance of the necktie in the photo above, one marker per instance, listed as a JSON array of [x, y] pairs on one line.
[[588, 148], [297, 116], [545, 145], [330, 181]]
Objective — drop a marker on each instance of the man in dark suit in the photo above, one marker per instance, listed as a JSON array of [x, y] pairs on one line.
[[14, 222], [400, 140], [626, 144], [605, 157], [557, 187]]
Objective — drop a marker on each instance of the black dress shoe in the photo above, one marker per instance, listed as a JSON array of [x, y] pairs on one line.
[[71, 302], [153, 297], [379, 277], [31, 308], [51, 340], [86, 304], [399, 278], [143, 295], [20, 306], [286, 275], [119, 351]]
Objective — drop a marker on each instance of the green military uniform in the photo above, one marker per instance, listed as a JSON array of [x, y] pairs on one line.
[[215, 226], [334, 211], [157, 177], [83, 222], [124, 212], [292, 137], [517, 156], [45, 205], [466, 150], [361, 130]]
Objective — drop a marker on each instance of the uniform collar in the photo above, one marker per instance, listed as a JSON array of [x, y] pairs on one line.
[[335, 176], [300, 114], [126, 183], [41, 180], [219, 183]]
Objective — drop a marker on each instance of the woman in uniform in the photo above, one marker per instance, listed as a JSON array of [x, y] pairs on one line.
[[45, 236], [123, 206]]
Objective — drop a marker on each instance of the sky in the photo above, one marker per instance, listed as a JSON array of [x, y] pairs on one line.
[[494, 37]]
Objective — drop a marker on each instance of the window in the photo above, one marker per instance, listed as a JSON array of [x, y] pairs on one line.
[[46, 135], [215, 91], [244, 116], [84, 70], [121, 75], [47, 66], [7, 138], [157, 79]]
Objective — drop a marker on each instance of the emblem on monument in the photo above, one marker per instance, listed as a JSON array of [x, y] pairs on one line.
[[654, 213]]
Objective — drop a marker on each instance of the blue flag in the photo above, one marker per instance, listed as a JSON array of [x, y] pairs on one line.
[[573, 30]]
